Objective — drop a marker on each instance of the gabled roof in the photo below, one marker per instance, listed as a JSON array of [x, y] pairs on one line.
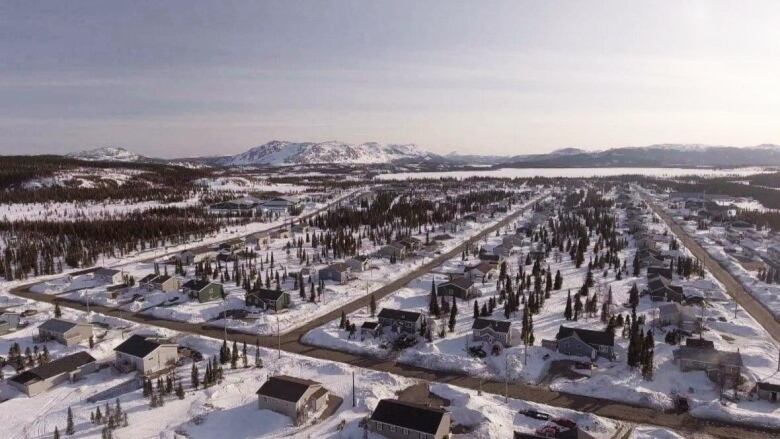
[[397, 314], [482, 266], [267, 294], [460, 282], [337, 266], [407, 415], [53, 368], [57, 325], [161, 279], [148, 278], [495, 325], [603, 338], [137, 346], [196, 284], [285, 387], [369, 325]]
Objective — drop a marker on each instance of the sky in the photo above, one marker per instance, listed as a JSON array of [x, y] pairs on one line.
[[195, 78]]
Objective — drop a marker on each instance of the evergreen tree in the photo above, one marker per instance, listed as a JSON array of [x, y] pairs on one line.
[[69, 427], [234, 356], [194, 376], [372, 305], [56, 433], [476, 310], [57, 310], [567, 313], [453, 315]]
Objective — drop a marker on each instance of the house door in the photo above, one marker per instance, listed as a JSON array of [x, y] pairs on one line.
[[774, 397]]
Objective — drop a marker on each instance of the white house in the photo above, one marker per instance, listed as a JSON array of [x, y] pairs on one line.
[[145, 355]]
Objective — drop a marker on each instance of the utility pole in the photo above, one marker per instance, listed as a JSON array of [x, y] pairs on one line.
[[353, 388]]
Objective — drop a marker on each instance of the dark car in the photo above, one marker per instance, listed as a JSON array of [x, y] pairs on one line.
[[563, 422], [536, 415]]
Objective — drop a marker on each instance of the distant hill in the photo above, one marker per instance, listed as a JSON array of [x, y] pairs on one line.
[[108, 154], [283, 153], [666, 155]]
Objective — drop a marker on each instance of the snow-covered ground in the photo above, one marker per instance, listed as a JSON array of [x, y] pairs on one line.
[[229, 409], [610, 380], [176, 306]]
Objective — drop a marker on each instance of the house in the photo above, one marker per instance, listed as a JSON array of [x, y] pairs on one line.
[[369, 329], [163, 282], [405, 420], [661, 289], [295, 397], [491, 258], [480, 272], [265, 298], [684, 317], [185, 257], [584, 343], [108, 276], [720, 366], [400, 321], [657, 270], [357, 264], [768, 391], [392, 250], [203, 290], [64, 331], [537, 252], [243, 206], [460, 287], [442, 237], [145, 355], [411, 244], [280, 205], [42, 378], [490, 331], [502, 250], [9, 321], [338, 272], [253, 241], [512, 241]]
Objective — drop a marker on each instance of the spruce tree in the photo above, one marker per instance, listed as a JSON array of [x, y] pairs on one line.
[[453, 315], [372, 305], [57, 310], [567, 313], [476, 310], [69, 427]]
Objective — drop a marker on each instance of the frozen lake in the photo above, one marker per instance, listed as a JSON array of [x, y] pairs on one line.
[[573, 173]]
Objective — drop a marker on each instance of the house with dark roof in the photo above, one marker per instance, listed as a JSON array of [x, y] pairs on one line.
[[460, 287], [489, 257], [295, 397], [768, 391], [185, 257], [266, 298], [338, 272], [108, 276], [583, 343], [203, 290], [662, 289], [65, 331], [44, 377], [659, 270], [491, 331], [144, 354], [404, 420], [357, 264], [400, 321]]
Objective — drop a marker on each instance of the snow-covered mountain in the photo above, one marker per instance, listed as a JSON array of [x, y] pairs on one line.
[[282, 153], [108, 154]]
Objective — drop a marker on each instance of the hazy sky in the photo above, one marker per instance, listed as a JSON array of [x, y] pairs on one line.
[[198, 78]]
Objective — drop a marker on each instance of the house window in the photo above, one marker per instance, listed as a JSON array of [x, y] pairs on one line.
[[391, 428]]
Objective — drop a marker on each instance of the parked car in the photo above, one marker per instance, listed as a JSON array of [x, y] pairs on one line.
[[536, 415]]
